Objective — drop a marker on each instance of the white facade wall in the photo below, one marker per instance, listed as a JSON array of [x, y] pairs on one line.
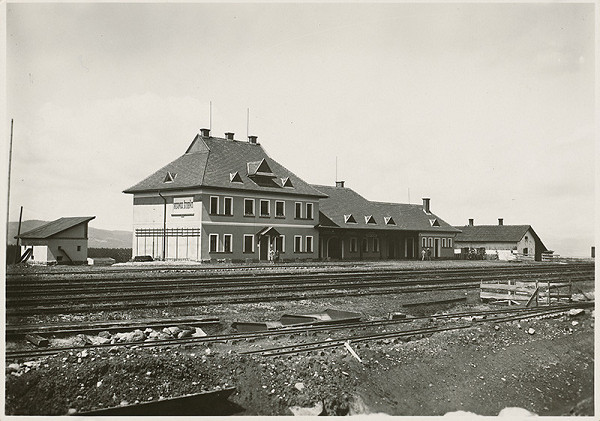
[[527, 242], [148, 211]]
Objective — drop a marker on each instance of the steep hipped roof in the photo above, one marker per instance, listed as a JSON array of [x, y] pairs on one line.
[[342, 202], [210, 161], [55, 227], [495, 233]]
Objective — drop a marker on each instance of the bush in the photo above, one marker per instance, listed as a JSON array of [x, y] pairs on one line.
[[120, 255]]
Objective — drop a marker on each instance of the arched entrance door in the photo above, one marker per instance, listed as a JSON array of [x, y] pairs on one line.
[[334, 248]]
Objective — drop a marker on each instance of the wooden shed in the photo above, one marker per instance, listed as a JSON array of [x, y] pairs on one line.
[[64, 241]]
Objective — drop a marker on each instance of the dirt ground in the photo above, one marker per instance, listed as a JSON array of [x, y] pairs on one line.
[[482, 370]]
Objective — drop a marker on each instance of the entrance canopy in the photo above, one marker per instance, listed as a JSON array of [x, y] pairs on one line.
[[270, 231]]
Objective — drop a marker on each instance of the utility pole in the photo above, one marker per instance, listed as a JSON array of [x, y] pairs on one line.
[[9, 170], [18, 234]]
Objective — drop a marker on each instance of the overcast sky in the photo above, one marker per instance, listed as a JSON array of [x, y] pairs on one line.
[[488, 109]]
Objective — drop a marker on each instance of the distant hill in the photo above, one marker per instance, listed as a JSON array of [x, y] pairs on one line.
[[98, 238]]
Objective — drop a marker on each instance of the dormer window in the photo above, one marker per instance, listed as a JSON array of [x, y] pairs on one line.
[[349, 219], [369, 219], [389, 220], [235, 177], [286, 182], [260, 168], [170, 177], [434, 222]]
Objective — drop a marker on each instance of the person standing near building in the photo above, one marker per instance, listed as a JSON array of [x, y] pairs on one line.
[[428, 253], [271, 254], [423, 254]]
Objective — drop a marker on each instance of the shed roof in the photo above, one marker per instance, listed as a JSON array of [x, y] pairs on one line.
[[342, 202], [495, 233], [210, 161], [55, 227]]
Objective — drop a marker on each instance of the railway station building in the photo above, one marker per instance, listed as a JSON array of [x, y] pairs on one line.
[[227, 200], [521, 239], [354, 228]]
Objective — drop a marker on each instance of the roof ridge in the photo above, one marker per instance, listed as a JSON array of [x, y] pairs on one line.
[[207, 158]]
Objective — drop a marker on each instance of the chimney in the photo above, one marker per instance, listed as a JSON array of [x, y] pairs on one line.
[[205, 132], [229, 136], [500, 221], [471, 222], [252, 139], [339, 184], [426, 204]]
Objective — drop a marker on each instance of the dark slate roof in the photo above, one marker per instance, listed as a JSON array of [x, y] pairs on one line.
[[495, 233], [55, 227], [209, 161], [342, 201]]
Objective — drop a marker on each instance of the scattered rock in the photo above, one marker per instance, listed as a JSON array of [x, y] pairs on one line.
[[198, 333], [574, 312], [299, 386], [105, 334], [13, 367], [531, 331], [574, 323], [313, 411], [516, 413], [184, 334], [174, 330]]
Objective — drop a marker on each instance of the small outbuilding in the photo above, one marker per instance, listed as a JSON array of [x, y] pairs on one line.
[[64, 241], [520, 239]]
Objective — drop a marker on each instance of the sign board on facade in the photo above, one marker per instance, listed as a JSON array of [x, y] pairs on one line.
[[183, 206]]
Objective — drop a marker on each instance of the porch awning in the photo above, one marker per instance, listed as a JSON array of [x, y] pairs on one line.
[[270, 231]]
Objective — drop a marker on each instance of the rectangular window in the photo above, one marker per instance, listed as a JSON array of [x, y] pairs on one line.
[[309, 244], [228, 206], [365, 245], [214, 205], [443, 242], [78, 248], [249, 207], [298, 210], [227, 243], [309, 211], [297, 243], [430, 242], [280, 244], [213, 242], [265, 207], [353, 245], [279, 208], [248, 243], [376, 244], [449, 242]]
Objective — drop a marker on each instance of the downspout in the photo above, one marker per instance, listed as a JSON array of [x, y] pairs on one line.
[[164, 226]]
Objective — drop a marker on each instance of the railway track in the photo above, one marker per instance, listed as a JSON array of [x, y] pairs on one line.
[[76, 296], [502, 315], [176, 275], [338, 342]]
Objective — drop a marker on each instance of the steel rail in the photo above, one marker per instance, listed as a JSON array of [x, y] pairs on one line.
[[292, 330], [319, 345], [298, 280], [175, 275], [122, 286], [229, 299]]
